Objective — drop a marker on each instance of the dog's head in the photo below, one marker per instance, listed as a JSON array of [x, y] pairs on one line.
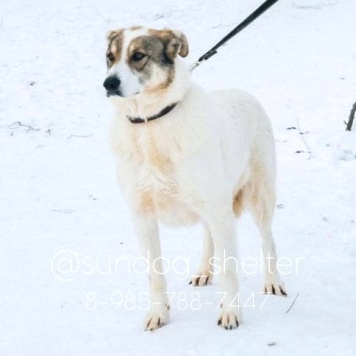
[[142, 60]]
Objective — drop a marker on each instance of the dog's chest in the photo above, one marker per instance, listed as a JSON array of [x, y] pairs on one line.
[[159, 194], [155, 162]]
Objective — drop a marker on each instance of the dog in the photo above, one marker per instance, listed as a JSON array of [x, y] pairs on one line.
[[186, 156]]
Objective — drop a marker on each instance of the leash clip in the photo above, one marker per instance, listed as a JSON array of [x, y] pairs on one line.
[[203, 58]]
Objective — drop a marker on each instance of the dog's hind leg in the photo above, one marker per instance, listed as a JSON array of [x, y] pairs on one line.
[[148, 236], [259, 195], [205, 271]]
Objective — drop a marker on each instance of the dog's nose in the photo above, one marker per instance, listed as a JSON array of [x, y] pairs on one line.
[[112, 84]]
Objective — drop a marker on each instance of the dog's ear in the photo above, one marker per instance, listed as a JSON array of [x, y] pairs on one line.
[[112, 34], [175, 42]]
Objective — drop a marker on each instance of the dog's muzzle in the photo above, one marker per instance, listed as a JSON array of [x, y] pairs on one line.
[[112, 85]]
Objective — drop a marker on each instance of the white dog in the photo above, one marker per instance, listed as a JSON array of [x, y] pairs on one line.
[[186, 156]]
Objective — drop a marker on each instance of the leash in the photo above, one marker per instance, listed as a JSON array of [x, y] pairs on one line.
[[258, 12]]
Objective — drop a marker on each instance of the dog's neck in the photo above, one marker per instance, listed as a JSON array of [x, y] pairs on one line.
[[157, 103], [163, 112]]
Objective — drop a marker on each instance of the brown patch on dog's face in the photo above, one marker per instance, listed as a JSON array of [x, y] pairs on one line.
[[114, 51], [146, 56], [136, 28]]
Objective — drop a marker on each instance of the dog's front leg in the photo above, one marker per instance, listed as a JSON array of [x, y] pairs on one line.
[[222, 227], [148, 235], [205, 272]]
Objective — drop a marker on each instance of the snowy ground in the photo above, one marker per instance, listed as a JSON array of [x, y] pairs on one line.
[[58, 190]]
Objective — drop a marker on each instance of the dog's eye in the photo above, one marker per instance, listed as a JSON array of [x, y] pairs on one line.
[[110, 57], [137, 56]]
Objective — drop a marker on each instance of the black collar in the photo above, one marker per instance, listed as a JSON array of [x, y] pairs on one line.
[[164, 111]]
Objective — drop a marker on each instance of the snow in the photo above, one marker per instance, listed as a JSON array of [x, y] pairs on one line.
[[58, 190]]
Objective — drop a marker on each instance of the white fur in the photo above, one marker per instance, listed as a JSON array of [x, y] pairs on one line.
[[188, 167]]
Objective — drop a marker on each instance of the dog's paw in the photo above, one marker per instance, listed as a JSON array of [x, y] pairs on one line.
[[156, 318], [275, 288], [229, 320], [201, 279]]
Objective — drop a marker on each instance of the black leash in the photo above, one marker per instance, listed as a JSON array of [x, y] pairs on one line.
[[259, 11]]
